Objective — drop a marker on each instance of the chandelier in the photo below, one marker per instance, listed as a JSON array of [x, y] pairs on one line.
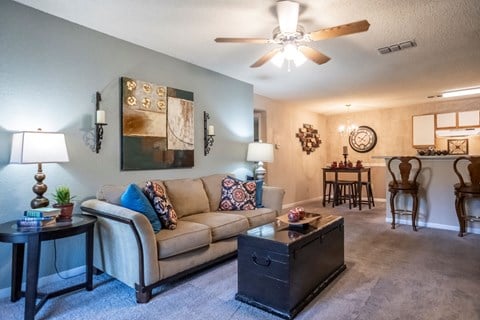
[[349, 127]]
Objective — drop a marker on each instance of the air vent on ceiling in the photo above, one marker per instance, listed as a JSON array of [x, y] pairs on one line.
[[397, 47]]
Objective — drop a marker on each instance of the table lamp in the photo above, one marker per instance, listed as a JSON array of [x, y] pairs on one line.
[[261, 152], [38, 147]]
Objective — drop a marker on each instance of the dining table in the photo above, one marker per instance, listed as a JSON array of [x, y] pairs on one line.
[[359, 171]]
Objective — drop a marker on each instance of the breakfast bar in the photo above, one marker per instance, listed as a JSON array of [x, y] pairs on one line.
[[436, 196]]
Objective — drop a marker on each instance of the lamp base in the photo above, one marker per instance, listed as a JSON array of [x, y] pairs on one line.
[[260, 172], [39, 202], [39, 189]]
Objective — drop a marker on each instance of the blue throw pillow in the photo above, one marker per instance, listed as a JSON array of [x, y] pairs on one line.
[[134, 199], [259, 194], [259, 191]]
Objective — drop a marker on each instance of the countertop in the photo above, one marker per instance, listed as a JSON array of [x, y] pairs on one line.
[[441, 157]]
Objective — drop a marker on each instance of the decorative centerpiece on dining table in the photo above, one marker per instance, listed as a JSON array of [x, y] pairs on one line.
[[349, 165]]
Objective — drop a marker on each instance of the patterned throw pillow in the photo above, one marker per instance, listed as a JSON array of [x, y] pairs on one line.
[[134, 199], [237, 195], [160, 203]]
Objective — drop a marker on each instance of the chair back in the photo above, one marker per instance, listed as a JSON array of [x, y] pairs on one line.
[[473, 169], [404, 177]]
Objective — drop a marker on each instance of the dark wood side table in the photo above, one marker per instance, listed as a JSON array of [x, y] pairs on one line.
[[33, 238]]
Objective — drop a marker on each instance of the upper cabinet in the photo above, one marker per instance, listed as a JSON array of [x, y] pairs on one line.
[[469, 118], [460, 119], [423, 131], [446, 120]]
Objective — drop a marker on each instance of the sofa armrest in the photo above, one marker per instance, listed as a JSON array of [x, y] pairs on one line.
[[273, 198], [125, 244]]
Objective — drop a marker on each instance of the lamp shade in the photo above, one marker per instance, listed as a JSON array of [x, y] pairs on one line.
[[259, 151], [38, 147]]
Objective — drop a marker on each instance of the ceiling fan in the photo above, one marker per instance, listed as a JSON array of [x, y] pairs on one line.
[[292, 38]]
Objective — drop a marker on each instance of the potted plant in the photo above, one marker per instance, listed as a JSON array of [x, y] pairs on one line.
[[63, 201]]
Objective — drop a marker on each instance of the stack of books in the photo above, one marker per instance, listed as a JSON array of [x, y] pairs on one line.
[[37, 218]]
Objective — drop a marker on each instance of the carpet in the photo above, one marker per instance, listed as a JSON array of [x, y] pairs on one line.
[[391, 274]]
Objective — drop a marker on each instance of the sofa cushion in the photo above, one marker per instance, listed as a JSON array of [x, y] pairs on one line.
[[157, 197], [134, 199], [237, 195], [256, 217], [111, 193], [186, 237], [213, 188], [259, 193], [187, 196], [222, 225]]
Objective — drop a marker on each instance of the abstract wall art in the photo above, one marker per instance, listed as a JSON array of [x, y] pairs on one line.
[[157, 127], [309, 138]]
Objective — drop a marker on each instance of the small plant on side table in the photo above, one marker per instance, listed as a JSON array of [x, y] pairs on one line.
[[63, 201]]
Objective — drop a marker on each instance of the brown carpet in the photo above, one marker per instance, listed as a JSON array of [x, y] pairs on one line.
[[391, 274]]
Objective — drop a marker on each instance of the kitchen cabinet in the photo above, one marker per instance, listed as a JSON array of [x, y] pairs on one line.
[[453, 120], [469, 118], [446, 120], [423, 131]]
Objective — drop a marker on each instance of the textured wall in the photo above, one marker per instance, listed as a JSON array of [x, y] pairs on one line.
[[394, 129], [49, 72], [292, 168]]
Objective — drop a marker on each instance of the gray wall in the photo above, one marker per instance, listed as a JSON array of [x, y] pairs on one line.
[[49, 72]]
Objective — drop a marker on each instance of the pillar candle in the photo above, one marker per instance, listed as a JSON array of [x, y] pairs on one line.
[[211, 130], [101, 116], [345, 150]]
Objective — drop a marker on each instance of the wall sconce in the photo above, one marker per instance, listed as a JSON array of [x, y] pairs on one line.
[[99, 123], [208, 134]]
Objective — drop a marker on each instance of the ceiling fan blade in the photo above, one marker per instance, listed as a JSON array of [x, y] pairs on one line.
[[341, 30], [263, 59], [314, 55], [243, 40], [287, 12]]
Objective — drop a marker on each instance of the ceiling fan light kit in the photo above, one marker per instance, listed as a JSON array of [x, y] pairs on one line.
[[291, 38]]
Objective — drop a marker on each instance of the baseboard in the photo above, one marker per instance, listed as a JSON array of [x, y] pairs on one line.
[[433, 225], [299, 203], [5, 292], [302, 202]]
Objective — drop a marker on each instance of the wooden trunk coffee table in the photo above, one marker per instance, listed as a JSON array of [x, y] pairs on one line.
[[282, 267]]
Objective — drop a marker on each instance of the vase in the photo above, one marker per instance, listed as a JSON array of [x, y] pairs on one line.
[[66, 211]]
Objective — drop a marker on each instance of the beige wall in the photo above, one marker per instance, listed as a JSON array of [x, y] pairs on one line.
[[300, 174], [394, 129], [292, 168]]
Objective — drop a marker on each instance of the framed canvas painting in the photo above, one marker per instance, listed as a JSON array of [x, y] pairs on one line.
[[157, 127]]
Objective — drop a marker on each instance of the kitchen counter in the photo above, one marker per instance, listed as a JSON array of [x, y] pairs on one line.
[[436, 196], [446, 157]]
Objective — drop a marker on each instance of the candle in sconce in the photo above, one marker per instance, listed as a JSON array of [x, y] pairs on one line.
[[345, 150], [211, 130], [101, 116]]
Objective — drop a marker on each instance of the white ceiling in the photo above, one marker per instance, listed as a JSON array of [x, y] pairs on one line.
[[447, 33]]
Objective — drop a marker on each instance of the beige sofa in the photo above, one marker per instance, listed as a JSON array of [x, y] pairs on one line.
[[127, 248]]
